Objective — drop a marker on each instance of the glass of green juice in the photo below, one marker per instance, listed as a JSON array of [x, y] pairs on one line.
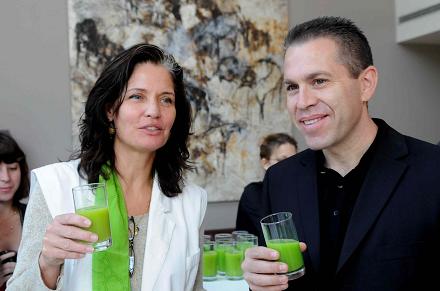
[[90, 201], [209, 261], [222, 241], [233, 260], [280, 235]]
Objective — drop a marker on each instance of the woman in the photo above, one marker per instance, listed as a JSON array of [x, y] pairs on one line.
[[274, 148], [134, 138], [14, 186]]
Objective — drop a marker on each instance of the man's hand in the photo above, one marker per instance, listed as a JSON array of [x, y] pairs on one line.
[[261, 269]]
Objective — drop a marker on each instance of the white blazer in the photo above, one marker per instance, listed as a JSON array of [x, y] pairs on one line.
[[172, 249]]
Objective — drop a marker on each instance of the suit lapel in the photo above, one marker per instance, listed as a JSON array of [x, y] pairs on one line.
[[380, 182], [159, 234], [308, 221]]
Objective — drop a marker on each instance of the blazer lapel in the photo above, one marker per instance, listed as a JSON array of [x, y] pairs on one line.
[[308, 222], [380, 182], [159, 234]]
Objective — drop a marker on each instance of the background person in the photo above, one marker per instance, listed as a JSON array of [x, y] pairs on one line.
[[14, 186], [274, 148], [134, 138], [365, 199]]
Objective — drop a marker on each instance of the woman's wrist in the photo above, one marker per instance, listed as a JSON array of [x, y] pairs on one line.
[[49, 272]]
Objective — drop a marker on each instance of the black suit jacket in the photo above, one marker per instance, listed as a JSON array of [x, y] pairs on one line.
[[392, 240], [249, 210]]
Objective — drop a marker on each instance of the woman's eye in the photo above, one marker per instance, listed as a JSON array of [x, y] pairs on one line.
[[167, 100], [135, 96]]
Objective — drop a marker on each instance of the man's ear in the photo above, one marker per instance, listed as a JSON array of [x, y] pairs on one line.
[[368, 79]]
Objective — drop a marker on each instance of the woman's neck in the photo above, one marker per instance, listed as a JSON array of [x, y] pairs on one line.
[[6, 208], [135, 171]]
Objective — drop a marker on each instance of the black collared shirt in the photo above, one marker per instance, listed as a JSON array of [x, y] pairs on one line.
[[337, 197]]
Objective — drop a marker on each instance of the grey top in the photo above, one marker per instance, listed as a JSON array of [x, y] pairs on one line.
[[27, 276]]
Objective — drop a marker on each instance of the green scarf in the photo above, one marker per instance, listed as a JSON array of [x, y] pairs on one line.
[[110, 267]]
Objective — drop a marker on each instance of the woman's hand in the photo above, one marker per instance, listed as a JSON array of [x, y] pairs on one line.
[[64, 239], [6, 266]]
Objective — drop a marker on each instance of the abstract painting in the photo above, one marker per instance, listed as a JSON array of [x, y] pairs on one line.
[[232, 54]]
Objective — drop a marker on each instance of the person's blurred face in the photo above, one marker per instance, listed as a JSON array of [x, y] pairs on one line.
[[325, 102], [10, 177], [144, 120], [278, 154]]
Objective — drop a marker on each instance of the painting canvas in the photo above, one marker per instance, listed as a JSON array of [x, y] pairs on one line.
[[232, 54]]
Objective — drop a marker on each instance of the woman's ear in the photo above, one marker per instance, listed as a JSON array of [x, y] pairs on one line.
[[110, 113], [265, 163]]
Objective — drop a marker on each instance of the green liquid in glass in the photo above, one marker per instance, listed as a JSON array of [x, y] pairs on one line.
[[209, 263], [233, 264], [100, 221], [221, 257], [290, 253]]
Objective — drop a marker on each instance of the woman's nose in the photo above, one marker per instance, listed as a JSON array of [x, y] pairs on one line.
[[4, 173], [152, 108]]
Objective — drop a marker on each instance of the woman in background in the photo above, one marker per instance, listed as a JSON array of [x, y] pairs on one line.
[[14, 186], [274, 148], [133, 137]]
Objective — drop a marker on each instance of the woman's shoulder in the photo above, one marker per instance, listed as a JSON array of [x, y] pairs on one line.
[[192, 191], [68, 165]]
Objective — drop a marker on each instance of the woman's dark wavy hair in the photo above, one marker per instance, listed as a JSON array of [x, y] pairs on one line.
[[108, 93], [10, 153]]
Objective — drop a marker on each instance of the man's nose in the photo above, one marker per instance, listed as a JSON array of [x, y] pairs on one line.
[[305, 98]]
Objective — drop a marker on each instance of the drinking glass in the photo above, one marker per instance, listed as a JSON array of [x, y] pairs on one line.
[[221, 245], [280, 234], [236, 233], [90, 201], [245, 241], [233, 260], [209, 261]]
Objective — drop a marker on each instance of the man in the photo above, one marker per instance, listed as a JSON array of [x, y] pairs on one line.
[[365, 199]]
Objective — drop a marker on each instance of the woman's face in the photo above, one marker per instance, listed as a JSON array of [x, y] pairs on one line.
[[10, 177], [144, 120], [279, 153]]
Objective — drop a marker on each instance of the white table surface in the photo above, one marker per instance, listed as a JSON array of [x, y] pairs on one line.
[[226, 285]]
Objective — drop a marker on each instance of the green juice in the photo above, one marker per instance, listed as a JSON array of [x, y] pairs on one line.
[[221, 257], [290, 253], [233, 261], [244, 245], [100, 221], [209, 264]]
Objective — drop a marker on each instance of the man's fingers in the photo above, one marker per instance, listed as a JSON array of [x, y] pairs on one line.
[[276, 282], [262, 253], [303, 247]]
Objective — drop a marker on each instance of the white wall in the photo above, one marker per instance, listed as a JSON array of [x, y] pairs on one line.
[[35, 94], [408, 92], [34, 78]]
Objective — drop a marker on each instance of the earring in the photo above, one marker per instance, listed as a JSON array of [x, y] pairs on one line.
[[111, 128]]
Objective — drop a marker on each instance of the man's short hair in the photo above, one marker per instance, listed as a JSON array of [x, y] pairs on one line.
[[354, 50]]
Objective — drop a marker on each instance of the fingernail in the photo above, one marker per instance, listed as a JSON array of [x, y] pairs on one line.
[[274, 255], [90, 249], [87, 222], [283, 280], [283, 268], [94, 237]]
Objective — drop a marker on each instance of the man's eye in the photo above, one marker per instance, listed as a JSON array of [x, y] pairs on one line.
[[291, 87], [319, 82]]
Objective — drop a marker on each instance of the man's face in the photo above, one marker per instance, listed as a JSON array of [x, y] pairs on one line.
[[325, 102]]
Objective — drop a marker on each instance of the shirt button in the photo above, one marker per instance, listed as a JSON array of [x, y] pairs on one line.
[[322, 172], [340, 186], [335, 212]]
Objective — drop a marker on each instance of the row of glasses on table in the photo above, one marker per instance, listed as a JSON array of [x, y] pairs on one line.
[[222, 257]]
